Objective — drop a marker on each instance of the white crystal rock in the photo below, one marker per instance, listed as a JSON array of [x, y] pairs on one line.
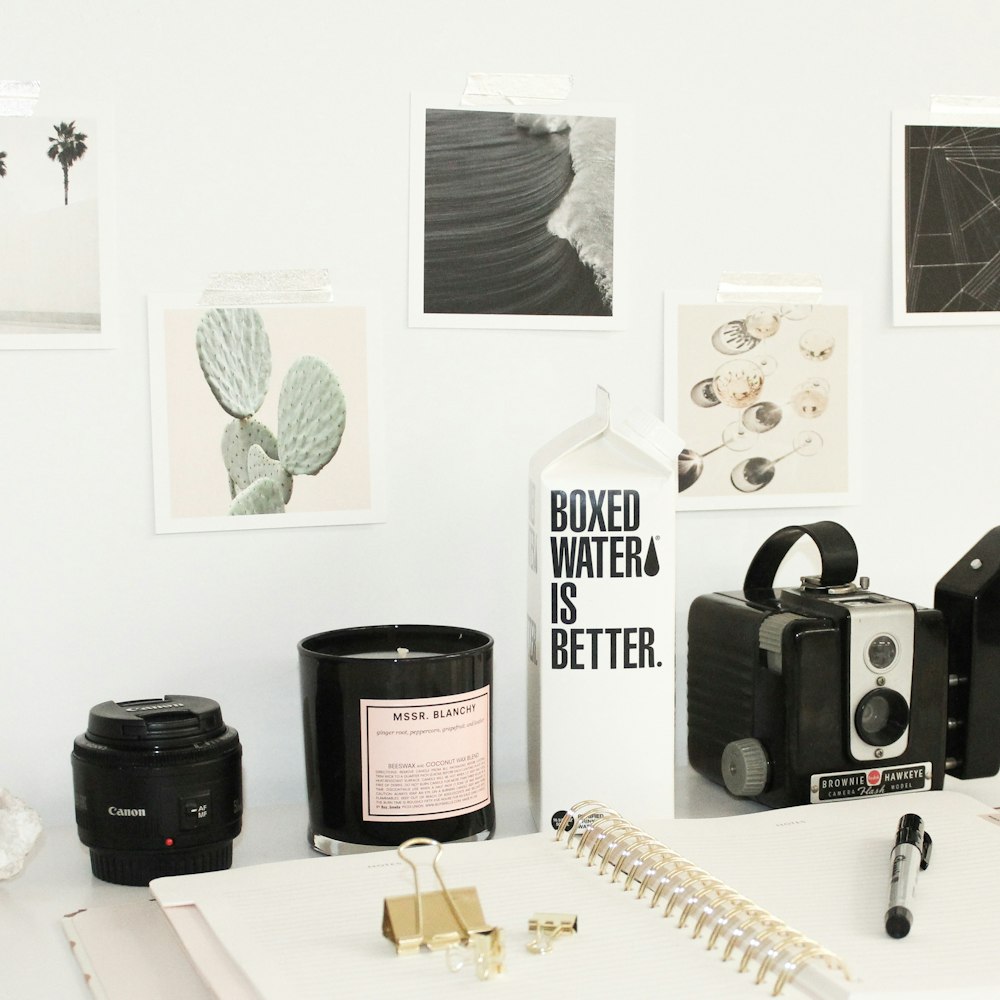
[[20, 826]]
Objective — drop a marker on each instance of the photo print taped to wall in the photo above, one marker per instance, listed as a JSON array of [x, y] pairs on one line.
[[515, 216], [264, 416], [761, 393], [55, 212], [946, 219]]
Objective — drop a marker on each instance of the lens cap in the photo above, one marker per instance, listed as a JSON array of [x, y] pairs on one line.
[[153, 722]]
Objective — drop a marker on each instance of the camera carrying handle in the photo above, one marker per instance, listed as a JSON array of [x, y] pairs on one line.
[[837, 551]]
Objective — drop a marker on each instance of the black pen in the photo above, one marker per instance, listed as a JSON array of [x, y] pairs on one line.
[[910, 854]]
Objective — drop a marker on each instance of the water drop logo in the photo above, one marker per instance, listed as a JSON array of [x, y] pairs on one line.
[[651, 566]]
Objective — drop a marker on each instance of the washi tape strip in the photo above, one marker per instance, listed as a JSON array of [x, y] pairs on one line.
[[267, 287], [18, 97], [962, 104], [739, 286], [516, 88]]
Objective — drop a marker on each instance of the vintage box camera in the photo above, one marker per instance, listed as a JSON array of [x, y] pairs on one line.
[[829, 691]]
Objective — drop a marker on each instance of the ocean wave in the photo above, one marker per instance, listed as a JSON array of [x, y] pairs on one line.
[[585, 216], [490, 191]]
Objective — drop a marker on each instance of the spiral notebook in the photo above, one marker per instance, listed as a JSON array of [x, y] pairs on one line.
[[817, 876]]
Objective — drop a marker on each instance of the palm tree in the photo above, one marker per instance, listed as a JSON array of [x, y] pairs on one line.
[[67, 147], [3, 166]]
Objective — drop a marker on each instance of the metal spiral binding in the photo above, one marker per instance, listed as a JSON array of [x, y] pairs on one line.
[[628, 855], [761, 940]]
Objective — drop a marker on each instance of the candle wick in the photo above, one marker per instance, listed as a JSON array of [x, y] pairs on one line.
[[402, 651]]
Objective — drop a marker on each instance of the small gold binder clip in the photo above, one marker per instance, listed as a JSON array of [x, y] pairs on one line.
[[445, 919], [484, 948], [547, 927]]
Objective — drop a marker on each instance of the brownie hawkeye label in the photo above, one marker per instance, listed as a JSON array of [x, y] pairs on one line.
[[870, 781]]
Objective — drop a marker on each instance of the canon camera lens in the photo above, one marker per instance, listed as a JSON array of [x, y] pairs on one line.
[[158, 788]]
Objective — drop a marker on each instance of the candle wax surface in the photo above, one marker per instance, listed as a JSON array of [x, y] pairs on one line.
[[390, 654]]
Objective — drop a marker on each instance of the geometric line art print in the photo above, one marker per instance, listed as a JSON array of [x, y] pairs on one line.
[[951, 222]]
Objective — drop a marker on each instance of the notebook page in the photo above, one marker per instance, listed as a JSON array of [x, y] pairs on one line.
[[824, 870], [312, 928], [304, 928]]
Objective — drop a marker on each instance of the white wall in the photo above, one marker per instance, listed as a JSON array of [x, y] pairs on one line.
[[254, 135]]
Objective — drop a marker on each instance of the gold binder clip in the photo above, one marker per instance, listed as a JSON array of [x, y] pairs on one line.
[[484, 948], [547, 927], [451, 919]]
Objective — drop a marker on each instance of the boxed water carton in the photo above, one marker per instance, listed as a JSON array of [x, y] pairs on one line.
[[601, 616]]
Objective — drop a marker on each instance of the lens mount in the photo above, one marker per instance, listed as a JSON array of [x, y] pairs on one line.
[[141, 867]]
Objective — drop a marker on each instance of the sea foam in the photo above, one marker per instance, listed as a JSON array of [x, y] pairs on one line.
[[585, 216]]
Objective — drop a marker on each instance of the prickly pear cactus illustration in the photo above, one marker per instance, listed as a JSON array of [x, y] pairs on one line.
[[235, 357], [260, 465], [237, 440], [312, 414], [261, 497]]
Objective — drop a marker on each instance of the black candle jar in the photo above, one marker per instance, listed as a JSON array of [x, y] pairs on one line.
[[398, 727]]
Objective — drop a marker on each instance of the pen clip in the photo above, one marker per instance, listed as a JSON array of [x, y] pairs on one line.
[[925, 851]]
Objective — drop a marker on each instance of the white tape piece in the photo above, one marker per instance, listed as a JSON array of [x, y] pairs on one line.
[[237, 288], [965, 105], [516, 88], [750, 286], [18, 98]]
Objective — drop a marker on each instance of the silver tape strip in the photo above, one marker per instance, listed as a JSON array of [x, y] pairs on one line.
[[267, 287], [749, 286], [18, 98], [516, 88], [963, 104]]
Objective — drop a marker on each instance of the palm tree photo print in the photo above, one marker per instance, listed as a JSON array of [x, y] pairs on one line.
[[50, 280]]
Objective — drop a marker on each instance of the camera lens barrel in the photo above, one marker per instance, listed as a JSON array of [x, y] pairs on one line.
[[158, 788], [881, 717]]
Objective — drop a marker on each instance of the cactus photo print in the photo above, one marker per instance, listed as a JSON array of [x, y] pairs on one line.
[[53, 216], [263, 416]]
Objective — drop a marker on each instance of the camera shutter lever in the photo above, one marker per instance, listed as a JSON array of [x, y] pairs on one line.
[[745, 767]]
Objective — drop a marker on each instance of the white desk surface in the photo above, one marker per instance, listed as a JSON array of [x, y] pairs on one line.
[[36, 962]]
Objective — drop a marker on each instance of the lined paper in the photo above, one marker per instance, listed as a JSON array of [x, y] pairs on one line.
[[306, 928]]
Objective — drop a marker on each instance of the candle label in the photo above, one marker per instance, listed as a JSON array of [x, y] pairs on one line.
[[425, 758]]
